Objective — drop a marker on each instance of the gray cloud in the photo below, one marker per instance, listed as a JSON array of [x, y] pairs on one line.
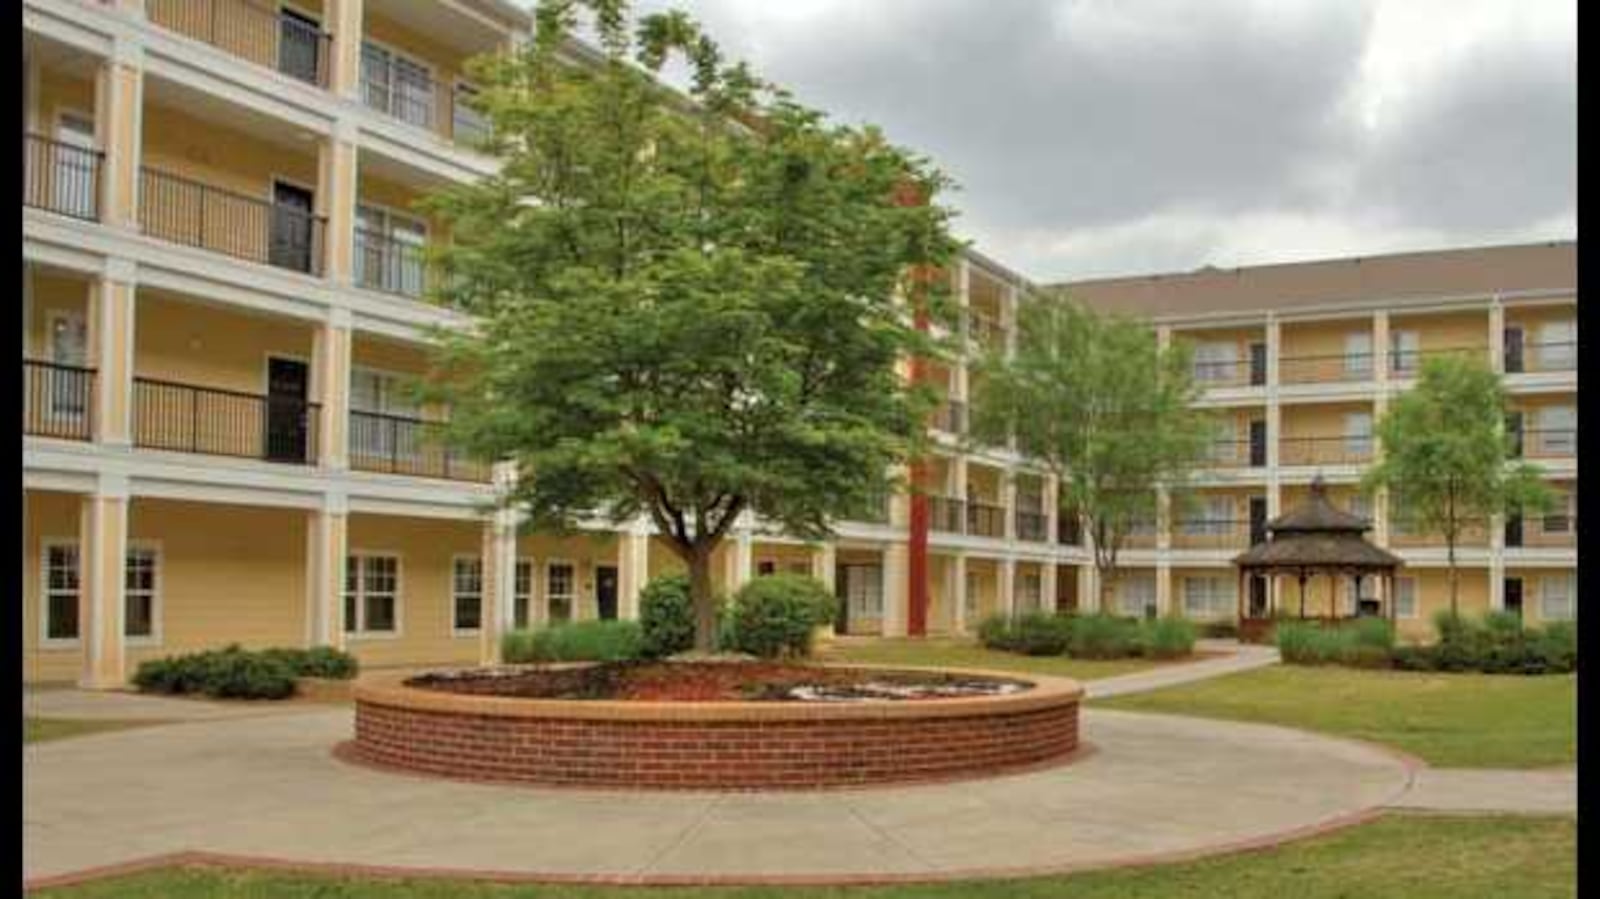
[[1097, 137]]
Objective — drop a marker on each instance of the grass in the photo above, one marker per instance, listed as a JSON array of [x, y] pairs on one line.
[[39, 730], [956, 653], [1415, 857], [1448, 720]]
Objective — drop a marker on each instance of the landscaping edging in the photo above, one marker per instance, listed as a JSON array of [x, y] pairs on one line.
[[714, 745]]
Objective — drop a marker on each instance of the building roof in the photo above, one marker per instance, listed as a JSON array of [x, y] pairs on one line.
[[1316, 535], [1395, 278], [1318, 514]]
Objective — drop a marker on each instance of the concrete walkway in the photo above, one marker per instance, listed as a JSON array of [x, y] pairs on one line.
[[1240, 657], [118, 705], [1469, 790], [1153, 787]]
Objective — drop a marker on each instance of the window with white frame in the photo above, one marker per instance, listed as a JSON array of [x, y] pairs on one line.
[[863, 590], [1556, 593], [1135, 594], [1558, 345], [1558, 430], [1030, 590], [1358, 433], [1366, 591], [1360, 506], [1404, 353], [389, 251], [561, 589], [1211, 516], [385, 431], [522, 594], [1405, 597], [1559, 521], [61, 588], [1358, 355], [1215, 361], [466, 592], [371, 593], [468, 125], [141, 594], [1209, 597], [393, 84]]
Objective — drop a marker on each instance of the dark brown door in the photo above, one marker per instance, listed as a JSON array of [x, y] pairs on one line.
[[1513, 350], [1258, 364], [1258, 597], [1514, 530], [1258, 443], [1513, 598], [288, 414], [299, 46], [1258, 520], [605, 592], [292, 229]]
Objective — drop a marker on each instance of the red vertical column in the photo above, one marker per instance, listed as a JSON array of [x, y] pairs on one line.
[[917, 540]]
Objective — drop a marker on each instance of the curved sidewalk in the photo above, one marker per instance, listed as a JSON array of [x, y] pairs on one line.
[[1153, 788]]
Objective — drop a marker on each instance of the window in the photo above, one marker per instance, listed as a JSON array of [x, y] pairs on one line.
[[377, 433], [522, 594], [1136, 594], [1555, 596], [560, 590], [389, 251], [73, 178], [1215, 361], [371, 590], [1359, 506], [1559, 521], [60, 592], [1358, 355], [1558, 345], [970, 605], [139, 594], [1030, 589], [467, 124], [1368, 593], [1225, 445], [466, 593], [393, 84], [1558, 430], [1404, 353], [1213, 518], [863, 586], [69, 345], [1358, 433], [1405, 597], [766, 567], [1208, 597]]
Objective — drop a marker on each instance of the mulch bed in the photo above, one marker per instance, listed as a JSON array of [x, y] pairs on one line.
[[713, 682]]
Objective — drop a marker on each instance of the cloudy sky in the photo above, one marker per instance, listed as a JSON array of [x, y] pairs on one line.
[[1105, 137]]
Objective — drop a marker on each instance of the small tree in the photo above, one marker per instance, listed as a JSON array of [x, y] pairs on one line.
[[1447, 459], [686, 309], [1102, 406]]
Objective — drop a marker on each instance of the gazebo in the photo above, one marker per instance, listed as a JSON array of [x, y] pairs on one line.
[[1314, 538]]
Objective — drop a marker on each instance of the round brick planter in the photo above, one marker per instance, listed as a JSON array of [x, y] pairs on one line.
[[713, 745]]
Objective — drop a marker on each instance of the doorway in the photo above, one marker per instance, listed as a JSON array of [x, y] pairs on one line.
[[1513, 596], [288, 419], [299, 46], [292, 240], [605, 592]]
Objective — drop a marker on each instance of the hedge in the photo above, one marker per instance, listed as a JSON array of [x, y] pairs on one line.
[[237, 673], [1096, 636]]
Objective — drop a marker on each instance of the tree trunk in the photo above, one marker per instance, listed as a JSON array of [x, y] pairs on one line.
[[1450, 555], [704, 599]]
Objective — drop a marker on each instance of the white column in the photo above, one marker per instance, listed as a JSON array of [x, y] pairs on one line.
[[119, 124], [958, 590], [332, 349], [102, 574], [1163, 585], [1088, 587], [113, 305], [327, 546], [1497, 334], [1047, 586], [1008, 584], [499, 582], [633, 567], [1497, 562], [344, 18], [1380, 349], [824, 562], [1008, 499], [896, 569], [740, 556]]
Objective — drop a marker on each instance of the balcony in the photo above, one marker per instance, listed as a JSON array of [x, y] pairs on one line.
[[1549, 443], [61, 177], [252, 30], [1342, 450], [395, 444], [1033, 526], [1555, 531], [946, 514], [1474, 534], [1069, 531], [1533, 358], [195, 214], [986, 520], [385, 263], [874, 511], [1235, 453], [1212, 533], [57, 400], [1335, 368], [951, 417], [1229, 373], [208, 421], [1406, 363]]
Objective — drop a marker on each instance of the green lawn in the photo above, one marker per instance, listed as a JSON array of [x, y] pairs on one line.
[[38, 730], [1449, 720], [1397, 857], [955, 653]]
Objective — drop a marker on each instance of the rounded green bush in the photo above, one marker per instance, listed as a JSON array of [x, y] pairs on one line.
[[1040, 634], [1102, 636], [666, 613], [1168, 637], [776, 615], [236, 674], [576, 641], [995, 632]]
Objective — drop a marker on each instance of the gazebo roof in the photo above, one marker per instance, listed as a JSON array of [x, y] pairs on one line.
[[1317, 535]]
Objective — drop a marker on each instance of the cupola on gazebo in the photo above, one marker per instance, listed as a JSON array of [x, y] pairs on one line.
[[1315, 538]]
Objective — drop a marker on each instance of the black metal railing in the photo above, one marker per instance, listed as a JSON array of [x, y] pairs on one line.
[[946, 514], [213, 422], [196, 214], [1033, 526], [57, 400], [1236, 453], [1406, 363], [395, 444], [1553, 355], [1069, 531], [61, 177], [252, 30], [1545, 443], [985, 520], [1406, 532], [1201, 532], [1227, 373], [1350, 450], [393, 266], [1332, 367], [951, 417]]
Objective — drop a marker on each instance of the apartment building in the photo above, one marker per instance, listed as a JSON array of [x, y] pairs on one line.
[[223, 293], [1301, 359], [223, 283]]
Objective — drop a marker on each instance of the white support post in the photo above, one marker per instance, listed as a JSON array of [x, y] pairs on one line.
[[1008, 585], [102, 581], [958, 575]]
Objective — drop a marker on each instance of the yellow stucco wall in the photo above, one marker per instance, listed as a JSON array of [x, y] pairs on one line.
[[61, 91], [52, 292], [425, 549], [1433, 594], [1442, 331], [1319, 338], [1320, 419], [45, 516]]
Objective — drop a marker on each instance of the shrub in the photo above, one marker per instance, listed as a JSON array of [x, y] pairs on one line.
[[1219, 629], [666, 614], [1102, 636], [995, 632], [1370, 632], [1169, 637], [1040, 634], [1300, 643], [516, 647], [1557, 646], [1413, 658], [230, 673], [580, 641], [1360, 655], [319, 661], [776, 615]]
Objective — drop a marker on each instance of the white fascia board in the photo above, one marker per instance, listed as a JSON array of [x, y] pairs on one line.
[[82, 26], [237, 81]]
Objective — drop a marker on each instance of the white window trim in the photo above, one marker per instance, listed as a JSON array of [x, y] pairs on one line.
[[1357, 360], [157, 605], [1569, 587], [532, 596], [572, 596], [1222, 598], [1416, 598], [455, 597], [433, 80], [1124, 593], [45, 640], [399, 597]]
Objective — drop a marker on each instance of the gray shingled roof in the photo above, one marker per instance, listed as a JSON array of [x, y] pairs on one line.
[[1317, 535]]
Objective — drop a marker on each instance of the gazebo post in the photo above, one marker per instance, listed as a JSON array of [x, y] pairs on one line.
[[1302, 594], [1333, 596], [1358, 576]]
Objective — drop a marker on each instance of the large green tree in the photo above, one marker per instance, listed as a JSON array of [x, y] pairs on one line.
[[689, 305], [1104, 407], [1446, 458]]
